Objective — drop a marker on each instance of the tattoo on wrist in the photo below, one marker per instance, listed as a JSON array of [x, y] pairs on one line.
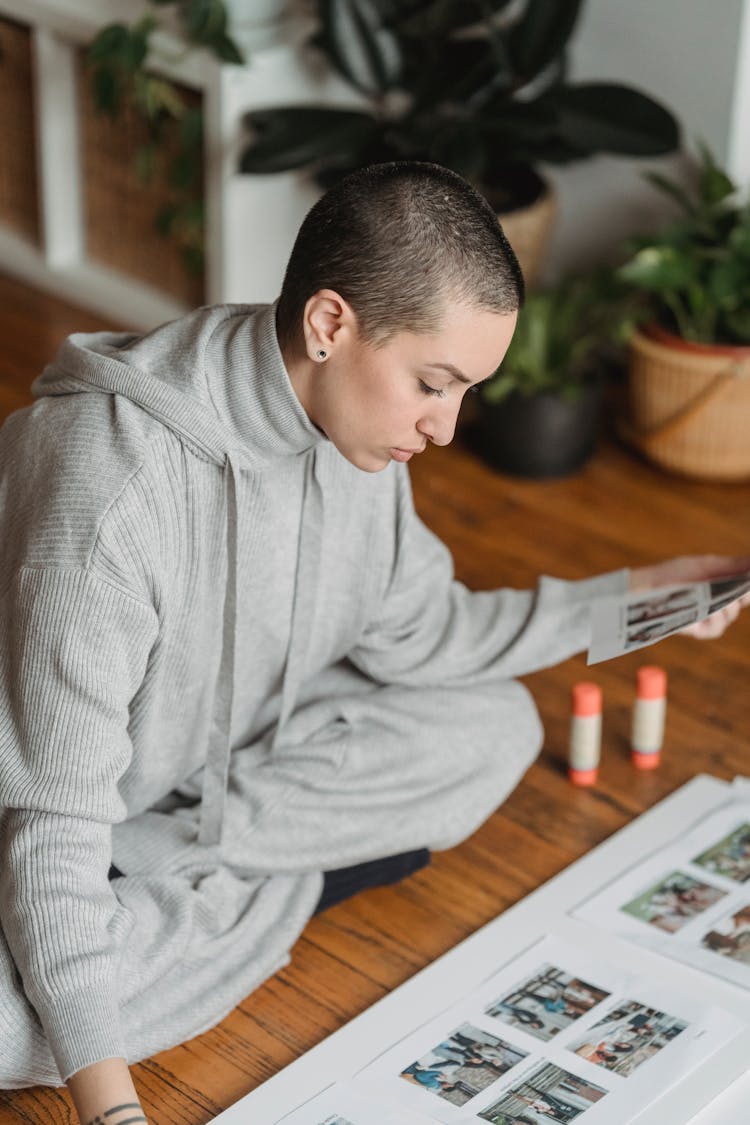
[[111, 1116]]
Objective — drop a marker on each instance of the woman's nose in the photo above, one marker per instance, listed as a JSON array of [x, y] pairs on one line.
[[439, 425]]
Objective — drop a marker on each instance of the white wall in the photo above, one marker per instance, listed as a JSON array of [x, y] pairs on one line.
[[683, 52]]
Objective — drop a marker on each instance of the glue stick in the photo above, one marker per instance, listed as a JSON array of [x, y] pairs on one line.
[[585, 733], [649, 710]]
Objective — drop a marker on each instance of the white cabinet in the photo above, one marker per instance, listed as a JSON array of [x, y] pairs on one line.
[[251, 220]]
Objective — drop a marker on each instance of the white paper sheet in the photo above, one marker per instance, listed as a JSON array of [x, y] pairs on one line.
[[691, 900], [635, 620]]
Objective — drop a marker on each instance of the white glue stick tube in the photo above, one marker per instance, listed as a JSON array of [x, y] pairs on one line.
[[649, 712], [585, 733]]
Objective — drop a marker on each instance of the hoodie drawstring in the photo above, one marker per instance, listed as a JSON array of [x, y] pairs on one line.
[[216, 771]]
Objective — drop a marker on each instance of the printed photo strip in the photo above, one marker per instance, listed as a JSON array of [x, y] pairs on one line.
[[549, 1093], [463, 1064], [546, 1003], [627, 1036], [673, 901]]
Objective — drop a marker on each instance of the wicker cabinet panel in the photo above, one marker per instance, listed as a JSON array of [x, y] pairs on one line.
[[120, 208], [18, 176]]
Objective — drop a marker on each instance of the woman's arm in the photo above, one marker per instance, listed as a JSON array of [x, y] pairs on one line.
[[104, 1094]]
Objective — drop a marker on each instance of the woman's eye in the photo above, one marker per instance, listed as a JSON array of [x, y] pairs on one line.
[[428, 390]]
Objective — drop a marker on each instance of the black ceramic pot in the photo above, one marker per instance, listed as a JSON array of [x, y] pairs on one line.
[[540, 435]]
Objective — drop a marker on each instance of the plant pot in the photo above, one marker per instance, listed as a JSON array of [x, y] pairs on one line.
[[529, 225], [266, 23], [540, 435], [689, 405]]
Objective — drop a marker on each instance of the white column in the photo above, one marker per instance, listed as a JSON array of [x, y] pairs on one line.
[[738, 154], [60, 187]]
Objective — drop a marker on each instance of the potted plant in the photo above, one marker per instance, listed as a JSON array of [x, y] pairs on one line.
[[478, 86], [688, 385], [538, 415], [119, 61]]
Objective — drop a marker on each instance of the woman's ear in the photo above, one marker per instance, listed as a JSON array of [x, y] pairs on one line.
[[326, 315]]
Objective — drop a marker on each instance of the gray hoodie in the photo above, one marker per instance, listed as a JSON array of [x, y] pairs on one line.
[[182, 551]]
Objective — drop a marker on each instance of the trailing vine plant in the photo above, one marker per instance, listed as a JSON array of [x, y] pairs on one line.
[[118, 60]]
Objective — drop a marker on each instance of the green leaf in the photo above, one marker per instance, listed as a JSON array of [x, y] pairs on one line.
[[670, 187], [294, 136], [145, 160], [165, 219], [108, 44], [106, 89], [191, 128], [659, 268], [359, 45], [227, 50], [183, 171], [714, 185], [604, 117], [541, 34]]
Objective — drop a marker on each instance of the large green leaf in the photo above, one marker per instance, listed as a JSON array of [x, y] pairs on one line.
[[359, 45], [541, 34], [463, 71], [294, 136], [660, 268], [604, 117]]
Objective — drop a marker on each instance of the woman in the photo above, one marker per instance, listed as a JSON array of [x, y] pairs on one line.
[[234, 665]]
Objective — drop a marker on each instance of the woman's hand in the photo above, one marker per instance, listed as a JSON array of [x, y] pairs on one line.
[[697, 568], [104, 1092]]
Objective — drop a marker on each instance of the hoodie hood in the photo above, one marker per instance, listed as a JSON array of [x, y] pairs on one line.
[[217, 379]]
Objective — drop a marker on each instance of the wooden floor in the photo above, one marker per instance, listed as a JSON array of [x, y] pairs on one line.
[[618, 511]]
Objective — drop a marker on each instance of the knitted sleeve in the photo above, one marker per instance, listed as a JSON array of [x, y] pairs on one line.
[[430, 629], [73, 650]]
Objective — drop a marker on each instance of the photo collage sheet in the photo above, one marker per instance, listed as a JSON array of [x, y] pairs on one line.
[[553, 1036], [691, 900], [629, 622]]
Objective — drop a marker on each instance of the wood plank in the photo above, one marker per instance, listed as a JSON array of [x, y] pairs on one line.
[[618, 510]]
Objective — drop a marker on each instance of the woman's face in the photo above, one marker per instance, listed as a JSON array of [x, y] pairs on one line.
[[383, 404]]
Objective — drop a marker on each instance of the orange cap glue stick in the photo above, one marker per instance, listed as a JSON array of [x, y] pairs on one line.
[[649, 711], [585, 733]]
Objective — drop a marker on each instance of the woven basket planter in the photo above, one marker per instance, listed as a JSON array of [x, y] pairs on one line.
[[528, 230], [690, 406]]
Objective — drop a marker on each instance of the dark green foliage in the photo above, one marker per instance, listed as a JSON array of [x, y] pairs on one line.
[[118, 59], [468, 84], [562, 337], [695, 273]]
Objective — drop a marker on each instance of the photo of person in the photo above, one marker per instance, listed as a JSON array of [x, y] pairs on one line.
[[730, 857], [548, 1094], [661, 605], [627, 1036], [731, 937], [653, 631], [725, 590], [547, 1002], [462, 1065], [673, 901]]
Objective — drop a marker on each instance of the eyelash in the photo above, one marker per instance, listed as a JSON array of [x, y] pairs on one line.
[[428, 390]]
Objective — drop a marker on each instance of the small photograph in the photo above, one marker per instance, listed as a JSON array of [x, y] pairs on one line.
[[726, 590], [731, 937], [730, 857], [547, 1002], [463, 1065], [654, 630], [661, 605], [673, 901], [627, 1036], [548, 1094]]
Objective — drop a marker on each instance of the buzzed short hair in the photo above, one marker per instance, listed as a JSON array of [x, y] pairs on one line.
[[398, 241]]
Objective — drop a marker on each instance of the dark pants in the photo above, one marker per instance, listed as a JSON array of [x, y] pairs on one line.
[[348, 881]]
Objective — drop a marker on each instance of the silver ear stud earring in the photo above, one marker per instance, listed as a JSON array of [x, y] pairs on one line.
[[321, 354]]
